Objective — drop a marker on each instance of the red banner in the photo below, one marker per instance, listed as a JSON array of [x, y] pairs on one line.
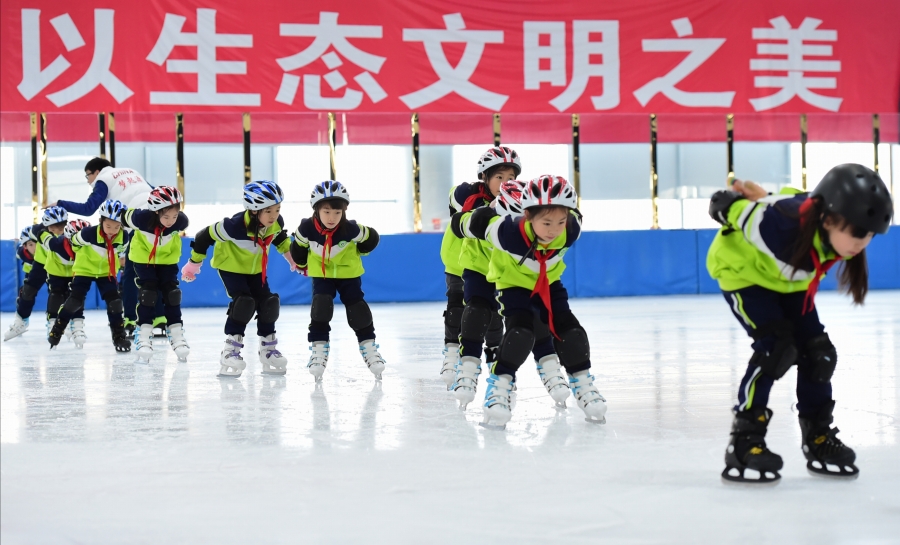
[[638, 56]]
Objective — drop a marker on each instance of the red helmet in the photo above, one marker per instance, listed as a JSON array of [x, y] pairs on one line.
[[74, 226], [549, 190], [509, 201], [164, 196], [500, 155]]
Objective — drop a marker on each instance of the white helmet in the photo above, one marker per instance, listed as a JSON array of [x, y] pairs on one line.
[[499, 155], [548, 190], [509, 201], [262, 194], [328, 190], [164, 196]]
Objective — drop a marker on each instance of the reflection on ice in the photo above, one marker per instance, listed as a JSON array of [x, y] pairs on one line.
[[399, 458]]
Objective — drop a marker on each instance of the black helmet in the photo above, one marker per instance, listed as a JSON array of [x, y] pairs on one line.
[[859, 195]]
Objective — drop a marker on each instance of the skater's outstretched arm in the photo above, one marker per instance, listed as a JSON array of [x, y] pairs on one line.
[[369, 240]]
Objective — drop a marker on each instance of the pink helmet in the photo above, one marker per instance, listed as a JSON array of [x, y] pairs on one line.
[[164, 196], [548, 190]]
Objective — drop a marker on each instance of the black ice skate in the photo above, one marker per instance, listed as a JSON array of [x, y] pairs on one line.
[[119, 338], [825, 453], [56, 332], [747, 449]]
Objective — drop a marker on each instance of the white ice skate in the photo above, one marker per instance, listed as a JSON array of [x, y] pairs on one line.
[[451, 358], [273, 362], [588, 397], [466, 380], [230, 360], [143, 343], [553, 378], [176, 339], [79, 337], [497, 410], [370, 354], [318, 359], [19, 326]]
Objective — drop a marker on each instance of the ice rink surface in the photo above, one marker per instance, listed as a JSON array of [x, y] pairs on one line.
[[99, 449]]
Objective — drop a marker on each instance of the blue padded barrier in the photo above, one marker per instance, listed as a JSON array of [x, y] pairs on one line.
[[407, 267]]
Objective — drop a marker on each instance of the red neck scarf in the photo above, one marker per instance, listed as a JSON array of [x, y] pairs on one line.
[[819, 268], [809, 301], [473, 199], [329, 241], [157, 231], [110, 253], [68, 247], [26, 254], [542, 286], [264, 244]]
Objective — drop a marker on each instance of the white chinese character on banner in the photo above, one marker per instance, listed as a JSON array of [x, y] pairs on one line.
[[35, 79], [795, 84], [582, 67], [328, 33], [206, 66], [454, 79], [699, 50]]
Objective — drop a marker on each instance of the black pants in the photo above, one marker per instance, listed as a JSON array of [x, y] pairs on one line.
[[476, 285], [756, 307], [517, 305], [160, 279], [351, 292], [59, 292], [79, 287], [35, 279], [453, 314], [237, 284]]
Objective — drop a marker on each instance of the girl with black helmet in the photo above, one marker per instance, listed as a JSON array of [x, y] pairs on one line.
[[328, 247], [769, 257]]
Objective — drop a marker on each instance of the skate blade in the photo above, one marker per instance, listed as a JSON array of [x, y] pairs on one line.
[[462, 406], [494, 427], [595, 420], [220, 375], [378, 376], [275, 372], [765, 477], [844, 472], [561, 405]]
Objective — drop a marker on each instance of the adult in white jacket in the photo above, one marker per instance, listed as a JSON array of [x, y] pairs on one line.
[[120, 184]]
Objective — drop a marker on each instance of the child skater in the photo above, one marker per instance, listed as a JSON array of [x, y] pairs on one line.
[[53, 222], [327, 247], [242, 257], [769, 258], [526, 265], [97, 252], [25, 248], [154, 251], [480, 324], [60, 271], [509, 203]]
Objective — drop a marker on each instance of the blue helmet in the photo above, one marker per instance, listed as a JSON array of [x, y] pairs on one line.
[[54, 215], [113, 210], [328, 190], [25, 236], [262, 194]]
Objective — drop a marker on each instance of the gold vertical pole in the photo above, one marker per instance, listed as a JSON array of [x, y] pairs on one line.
[[729, 131], [247, 172], [35, 204], [654, 178], [496, 129], [576, 163], [417, 195], [111, 130], [803, 134], [331, 151], [876, 137], [102, 118], [179, 155], [44, 189]]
